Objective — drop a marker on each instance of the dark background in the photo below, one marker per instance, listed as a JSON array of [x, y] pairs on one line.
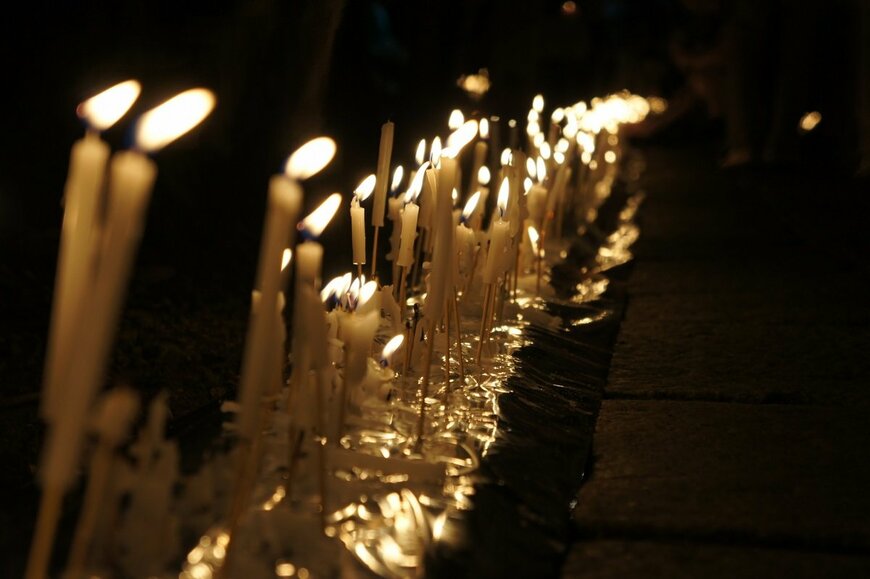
[[284, 71]]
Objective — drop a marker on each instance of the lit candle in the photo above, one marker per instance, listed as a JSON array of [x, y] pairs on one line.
[[383, 174], [498, 237], [131, 178], [82, 195], [358, 217], [409, 233]]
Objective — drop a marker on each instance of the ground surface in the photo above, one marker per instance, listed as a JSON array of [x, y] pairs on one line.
[[732, 440]]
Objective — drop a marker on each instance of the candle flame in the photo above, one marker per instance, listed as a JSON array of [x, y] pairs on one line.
[[533, 237], [538, 139], [462, 136], [527, 184], [168, 121], [336, 286], [809, 121], [483, 175], [558, 115], [562, 145], [484, 129], [103, 110], [533, 128], [454, 195], [545, 150], [559, 157], [391, 347], [506, 157], [456, 119], [657, 105], [538, 103], [367, 291], [533, 116], [531, 168], [503, 193], [610, 157], [420, 155], [416, 185], [353, 292], [542, 170], [365, 188], [286, 257], [435, 150], [317, 220], [398, 175], [470, 205], [310, 158]]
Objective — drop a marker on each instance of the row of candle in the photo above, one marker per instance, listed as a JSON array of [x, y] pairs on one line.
[[96, 256]]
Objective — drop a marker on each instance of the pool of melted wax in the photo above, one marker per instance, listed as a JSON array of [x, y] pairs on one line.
[[489, 491], [513, 436], [518, 524]]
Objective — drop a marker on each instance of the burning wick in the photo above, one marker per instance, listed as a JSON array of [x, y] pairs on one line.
[[390, 348]]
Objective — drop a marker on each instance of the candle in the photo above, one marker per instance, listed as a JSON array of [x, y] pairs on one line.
[[82, 195], [310, 253], [442, 255], [480, 148], [131, 178], [383, 174], [358, 217], [285, 198], [409, 232], [498, 237]]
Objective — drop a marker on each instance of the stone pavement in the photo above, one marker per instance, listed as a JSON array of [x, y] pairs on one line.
[[734, 437]]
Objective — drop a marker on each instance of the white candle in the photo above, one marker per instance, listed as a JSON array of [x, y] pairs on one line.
[[285, 198], [409, 232], [537, 203], [358, 218], [383, 174], [75, 259], [82, 195], [309, 258], [442, 255], [394, 212], [357, 221]]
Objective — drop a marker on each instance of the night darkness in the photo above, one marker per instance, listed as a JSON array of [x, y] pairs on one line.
[[284, 71]]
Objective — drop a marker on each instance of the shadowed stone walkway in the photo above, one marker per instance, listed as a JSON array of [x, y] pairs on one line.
[[734, 437]]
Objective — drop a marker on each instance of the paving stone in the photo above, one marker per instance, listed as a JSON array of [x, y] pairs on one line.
[[787, 476], [750, 361], [606, 559]]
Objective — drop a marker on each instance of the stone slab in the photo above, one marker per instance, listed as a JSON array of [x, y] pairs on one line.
[[619, 559], [748, 361], [780, 475]]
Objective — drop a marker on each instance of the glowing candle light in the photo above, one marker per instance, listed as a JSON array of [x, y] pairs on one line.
[[391, 348], [309, 254], [285, 200], [498, 236], [456, 119], [82, 194], [131, 179], [396, 181], [385, 151], [420, 154], [358, 218]]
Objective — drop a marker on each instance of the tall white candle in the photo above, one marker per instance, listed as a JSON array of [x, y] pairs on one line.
[[82, 203], [285, 198], [383, 174], [409, 232], [357, 222], [358, 218]]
